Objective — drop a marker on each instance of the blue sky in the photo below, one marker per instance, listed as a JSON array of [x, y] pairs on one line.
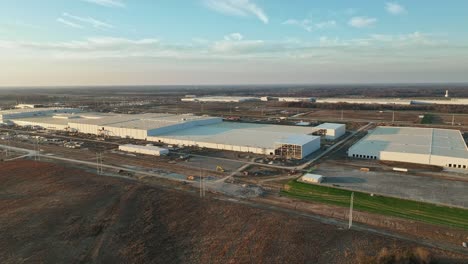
[[111, 42]]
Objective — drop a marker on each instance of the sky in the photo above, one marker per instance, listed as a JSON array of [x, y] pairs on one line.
[[194, 42]]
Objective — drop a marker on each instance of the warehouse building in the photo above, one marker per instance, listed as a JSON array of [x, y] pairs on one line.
[[296, 99], [7, 115], [146, 150], [221, 99], [430, 146], [285, 141], [139, 126], [333, 131], [293, 142], [311, 178]]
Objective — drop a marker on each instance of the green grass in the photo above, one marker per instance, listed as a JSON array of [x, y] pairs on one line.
[[427, 119], [418, 211]]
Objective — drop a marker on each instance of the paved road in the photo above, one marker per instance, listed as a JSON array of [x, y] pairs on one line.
[[88, 163]]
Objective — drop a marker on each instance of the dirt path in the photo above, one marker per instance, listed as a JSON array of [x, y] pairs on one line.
[[54, 214]]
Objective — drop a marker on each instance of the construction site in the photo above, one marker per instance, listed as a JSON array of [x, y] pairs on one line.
[[293, 164]]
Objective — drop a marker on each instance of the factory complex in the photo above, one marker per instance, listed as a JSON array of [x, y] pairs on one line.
[[381, 101], [185, 130], [430, 146]]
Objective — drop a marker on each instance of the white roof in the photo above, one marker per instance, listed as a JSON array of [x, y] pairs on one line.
[[141, 121], [222, 99], [45, 120], [429, 141], [311, 176], [34, 110], [153, 148], [244, 134], [329, 126]]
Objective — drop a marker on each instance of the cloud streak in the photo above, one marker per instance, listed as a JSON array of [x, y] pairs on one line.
[[237, 8], [107, 3], [69, 23], [308, 26], [362, 22], [395, 8], [88, 20], [235, 47]]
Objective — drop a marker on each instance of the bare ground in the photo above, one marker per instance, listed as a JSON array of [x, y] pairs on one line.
[[54, 214]]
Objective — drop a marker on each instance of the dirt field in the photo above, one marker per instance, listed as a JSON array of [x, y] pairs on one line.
[[54, 214]]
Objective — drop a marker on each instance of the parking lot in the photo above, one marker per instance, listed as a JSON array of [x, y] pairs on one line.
[[422, 188]]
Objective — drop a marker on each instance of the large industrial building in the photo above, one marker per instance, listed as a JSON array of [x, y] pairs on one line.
[[430, 146], [185, 130], [6, 115], [286, 141], [221, 99], [332, 131], [296, 99], [395, 101]]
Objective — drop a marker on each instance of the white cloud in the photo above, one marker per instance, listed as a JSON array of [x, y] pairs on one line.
[[234, 36], [237, 8], [325, 24], [230, 47], [107, 3], [88, 20], [307, 25], [395, 8], [362, 22], [68, 23]]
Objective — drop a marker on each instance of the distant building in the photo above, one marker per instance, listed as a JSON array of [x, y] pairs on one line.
[[333, 131], [28, 106], [311, 178], [267, 98], [221, 99], [430, 146], [296, 99], [147, 150]]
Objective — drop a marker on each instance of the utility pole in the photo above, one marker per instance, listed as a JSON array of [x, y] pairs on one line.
[[36, 150], [351, 211], [7, 153], [99, 167], [97, 163], [202, 187], [453, 119]]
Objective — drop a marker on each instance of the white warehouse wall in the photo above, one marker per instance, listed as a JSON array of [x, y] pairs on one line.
[[310, 147]]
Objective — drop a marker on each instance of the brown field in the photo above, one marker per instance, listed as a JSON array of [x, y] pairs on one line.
[[54, 214]]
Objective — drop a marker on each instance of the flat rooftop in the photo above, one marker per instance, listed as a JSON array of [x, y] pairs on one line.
[[244, 134], [329, 126], [429, 141], [45, 120], [142, 121], [33, 110]]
